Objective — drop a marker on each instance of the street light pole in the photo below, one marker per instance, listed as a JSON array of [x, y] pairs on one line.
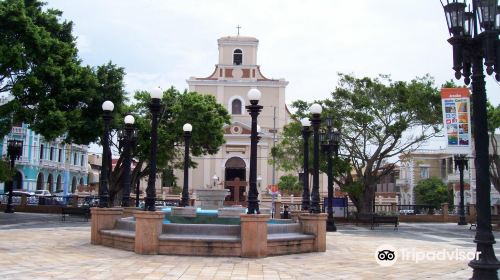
[[254, 109], [474, 38], [315, 110], [155, 108], [329, 138], [461, 163], [129, 130], [107, 107], [187, 128], [306, 133], [14, 151]]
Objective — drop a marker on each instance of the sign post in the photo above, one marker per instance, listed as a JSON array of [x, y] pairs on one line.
[[273, 190]]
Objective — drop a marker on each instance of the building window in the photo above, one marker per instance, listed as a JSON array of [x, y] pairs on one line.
[[74, 159], [237, 57], [51, 156], [41, 151], [236, 107], [443, 168], [424, 172], [59, 158], [81, 160]]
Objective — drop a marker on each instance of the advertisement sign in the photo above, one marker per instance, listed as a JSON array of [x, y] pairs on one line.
[[456, 118]]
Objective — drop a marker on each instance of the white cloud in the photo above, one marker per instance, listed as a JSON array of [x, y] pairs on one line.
[[164, 42]]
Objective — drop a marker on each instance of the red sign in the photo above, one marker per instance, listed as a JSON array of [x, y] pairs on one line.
[[273, 188]]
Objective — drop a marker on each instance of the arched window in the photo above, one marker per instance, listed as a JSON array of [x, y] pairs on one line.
[[237, 57], [236, 107]]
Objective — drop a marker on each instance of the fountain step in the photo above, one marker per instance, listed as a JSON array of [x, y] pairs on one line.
[[199, 238], [284, 228], [289, 237], [202, 229], [125, 224], [119, 232]]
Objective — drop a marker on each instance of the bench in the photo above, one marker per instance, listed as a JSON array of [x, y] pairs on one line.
[[495, 220], [378, 219], [77, 211]]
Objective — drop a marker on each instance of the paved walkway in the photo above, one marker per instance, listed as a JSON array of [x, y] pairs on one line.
[[40, 246]]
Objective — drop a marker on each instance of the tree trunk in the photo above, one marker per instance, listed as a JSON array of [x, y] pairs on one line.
[[366, 200]]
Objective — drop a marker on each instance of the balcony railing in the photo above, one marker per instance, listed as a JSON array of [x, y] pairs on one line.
[[48, 163], [18, 130]]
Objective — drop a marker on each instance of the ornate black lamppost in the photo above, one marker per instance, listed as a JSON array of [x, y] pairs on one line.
[[187, 128], [254, 109], [155, 108], [306, 132], [330, 143], [315, 110], [474, 38], [127, 161], [461, 163], [107, 108], [14, 151]]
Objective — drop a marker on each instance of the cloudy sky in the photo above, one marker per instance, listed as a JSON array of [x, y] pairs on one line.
[[164, 42]]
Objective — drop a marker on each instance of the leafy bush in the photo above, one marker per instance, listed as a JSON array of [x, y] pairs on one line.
[[432, 192], [290, 184]]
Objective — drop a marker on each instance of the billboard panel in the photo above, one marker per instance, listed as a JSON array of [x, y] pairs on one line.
[[456, 118]]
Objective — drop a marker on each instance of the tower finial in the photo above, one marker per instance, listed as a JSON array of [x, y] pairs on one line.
[[238, 27]]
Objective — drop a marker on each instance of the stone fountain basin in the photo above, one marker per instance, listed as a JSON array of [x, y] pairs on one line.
[[223, 216], [254, 236]]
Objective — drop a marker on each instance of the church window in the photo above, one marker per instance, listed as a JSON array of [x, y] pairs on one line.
[[237, 57], [236, 107]]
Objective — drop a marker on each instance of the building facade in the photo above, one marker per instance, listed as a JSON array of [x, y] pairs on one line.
[[46, 165], [235, 74], [423, 164]]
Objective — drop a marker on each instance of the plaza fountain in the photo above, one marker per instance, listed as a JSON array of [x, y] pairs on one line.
[[209, 230], [206, 233]]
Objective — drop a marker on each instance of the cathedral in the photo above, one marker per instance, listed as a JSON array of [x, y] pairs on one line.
[[235, 74]]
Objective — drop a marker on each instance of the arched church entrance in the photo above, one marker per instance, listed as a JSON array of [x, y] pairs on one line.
[[235, 181]]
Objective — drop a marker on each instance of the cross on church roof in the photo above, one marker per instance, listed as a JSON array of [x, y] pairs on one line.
[[238, 27]]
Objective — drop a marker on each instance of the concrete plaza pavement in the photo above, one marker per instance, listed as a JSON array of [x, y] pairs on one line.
[[41, 246]]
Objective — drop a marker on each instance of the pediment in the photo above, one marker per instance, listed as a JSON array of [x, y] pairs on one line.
[[236, 128]]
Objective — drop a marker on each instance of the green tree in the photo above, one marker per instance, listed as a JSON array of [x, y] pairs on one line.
[[39, 67], [202, 111], [290, 184], [432, 192], [6, 173], [379, 120]]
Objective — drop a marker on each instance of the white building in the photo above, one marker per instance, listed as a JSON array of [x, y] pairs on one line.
[[235, 74]]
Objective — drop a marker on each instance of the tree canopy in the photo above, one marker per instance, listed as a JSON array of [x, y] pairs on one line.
[[39, 67], [379, 118], [203, 112], [431, 191], [290, 184]]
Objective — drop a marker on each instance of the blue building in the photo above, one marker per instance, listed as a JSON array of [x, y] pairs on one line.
[[44, 165]]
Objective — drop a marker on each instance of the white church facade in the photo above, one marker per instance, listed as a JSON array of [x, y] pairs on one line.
[[235, 74]]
